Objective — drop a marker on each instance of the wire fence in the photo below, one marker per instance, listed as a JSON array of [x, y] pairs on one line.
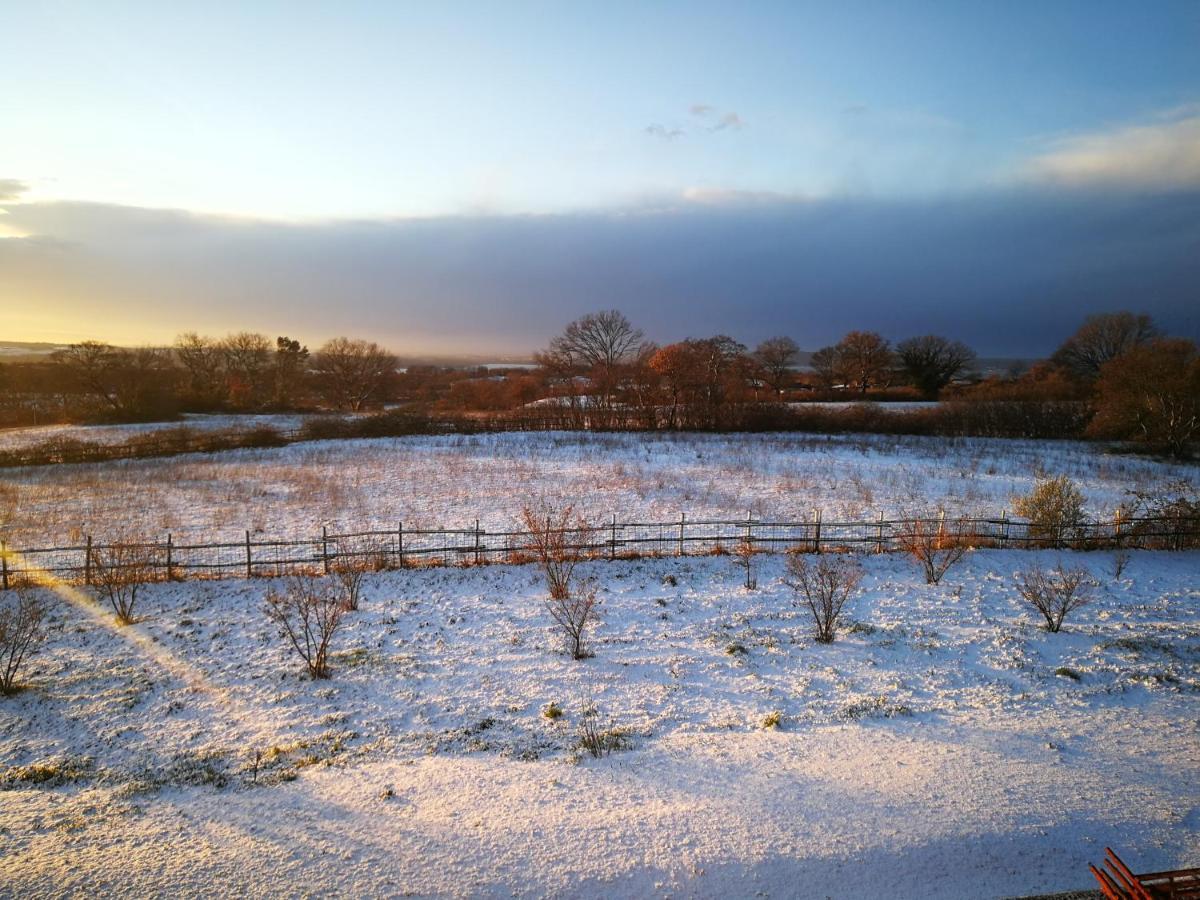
[[402, 547]]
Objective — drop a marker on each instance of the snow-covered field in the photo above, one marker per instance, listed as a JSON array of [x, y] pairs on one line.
[[451, 481], [931, 751]]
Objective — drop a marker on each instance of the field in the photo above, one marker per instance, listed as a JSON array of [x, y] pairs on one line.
[[944, 745], [452, 481]]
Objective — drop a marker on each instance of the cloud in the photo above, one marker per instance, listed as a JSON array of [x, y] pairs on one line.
[[1162, 154], [11, 189], [1010, 272], [663, 132], [729, 120], [700, 110]]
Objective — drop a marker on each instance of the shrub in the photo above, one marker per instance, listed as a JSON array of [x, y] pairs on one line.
[[21, 631], [744, 554], [772, 719], [119, 570], [573, 614], [356, 556], [1054, 593], [933, 544], [598, 741], [553, 536], [826, 585], [552, 711], [1173, 514], [1054, 509], [308, 615]]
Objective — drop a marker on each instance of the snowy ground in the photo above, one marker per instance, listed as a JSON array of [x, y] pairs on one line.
[[932, 751], [451, 481]]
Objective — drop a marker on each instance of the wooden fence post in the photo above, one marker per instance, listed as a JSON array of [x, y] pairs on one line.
[[682, 523], [879, 534], [612, 544], [476, 542], [4, 565], [817, 531], [249, 572], [400, 542], [169, 560], [87, 561], [1004, 525], [1117, 525], [325, 549], [749, 530]]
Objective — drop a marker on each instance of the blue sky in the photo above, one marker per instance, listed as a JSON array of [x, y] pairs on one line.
[[306, 114]]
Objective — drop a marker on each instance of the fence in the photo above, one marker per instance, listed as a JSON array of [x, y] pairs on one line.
[[405, 547]]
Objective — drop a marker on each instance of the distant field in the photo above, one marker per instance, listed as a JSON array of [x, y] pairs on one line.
[[449, 480]]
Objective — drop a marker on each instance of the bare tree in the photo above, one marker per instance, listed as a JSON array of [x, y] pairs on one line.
[[119, 570], [203, 361], [1102, 338], [554, 533], [866, 360], [826, 585], [21, 631], [308, 614], [1054, 593], [932, 362], [934, 544], [775, 356], [247, 361], [352, 374], [598, 340]]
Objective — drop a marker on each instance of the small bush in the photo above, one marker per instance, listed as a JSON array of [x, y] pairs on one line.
[[21, 631], [598, 741], [552, 711], [573, 615], [825, 585], [554, 533], [1054, 509], [119, 570], [1120, 561], [744, 553], [1054, 593], [934, 544], [772, 719], [308, 615], [1065, 672]]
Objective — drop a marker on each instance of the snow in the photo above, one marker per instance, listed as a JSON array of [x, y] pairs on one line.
[[13, 438], [931, 751], [450, 481]]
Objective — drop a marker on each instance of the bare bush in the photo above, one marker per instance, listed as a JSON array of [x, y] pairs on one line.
[[357, 555], [1120, 560], [1054, 509], [826, 584], [573, 615], [21, 631], [597, 740], [307, 614], [1054, 593], [118, 572], [933, 543], [744, 553], [554, 533]]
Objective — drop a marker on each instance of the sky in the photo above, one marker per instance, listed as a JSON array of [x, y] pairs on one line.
[[461, 177]]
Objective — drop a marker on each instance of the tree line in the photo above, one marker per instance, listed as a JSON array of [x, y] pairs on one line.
[[1116, 377]]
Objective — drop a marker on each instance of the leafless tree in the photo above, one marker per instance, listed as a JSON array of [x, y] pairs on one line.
[[932, 362], [352, 374], [21, 631], [934, 543], [826, 585], [119, 570], [775, 356], [356, 556], [1054, 593], [554, 534], [598, 340], [862, 360], [247, 360], [1102, 338], [203, 361], [308, 614]]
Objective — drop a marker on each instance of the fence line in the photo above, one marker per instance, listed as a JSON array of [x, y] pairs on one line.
[[403, 547]]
